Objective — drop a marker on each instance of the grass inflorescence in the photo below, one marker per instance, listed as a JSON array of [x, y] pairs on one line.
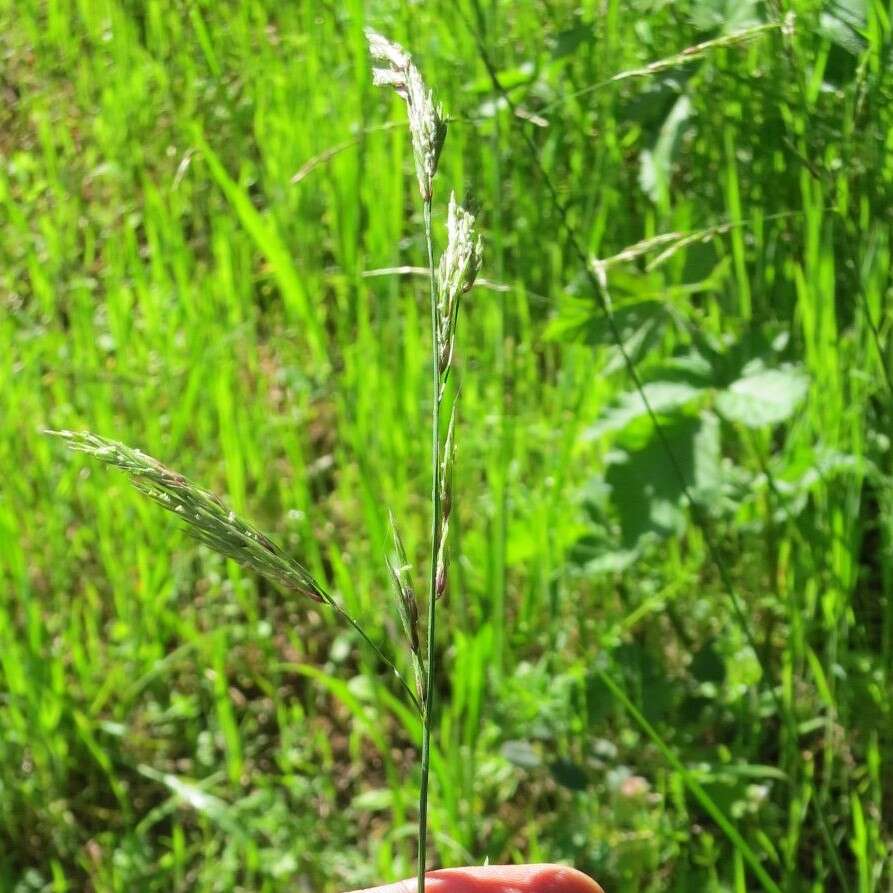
[[208, 520]]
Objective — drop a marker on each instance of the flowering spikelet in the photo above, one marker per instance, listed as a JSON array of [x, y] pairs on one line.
[[208, 520], [459, 266], [446, 506], [407, 606], [426, 123]]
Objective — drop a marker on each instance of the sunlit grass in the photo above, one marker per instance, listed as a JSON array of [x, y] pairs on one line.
[[170, 722]]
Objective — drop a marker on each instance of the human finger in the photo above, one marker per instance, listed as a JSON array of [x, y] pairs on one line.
[[499, 879]]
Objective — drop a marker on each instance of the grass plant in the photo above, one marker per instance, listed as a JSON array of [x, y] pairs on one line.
[[208, 254], [219, 528]]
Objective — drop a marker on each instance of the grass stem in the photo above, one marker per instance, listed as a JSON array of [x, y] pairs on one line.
[[378, 652], [428, 707]]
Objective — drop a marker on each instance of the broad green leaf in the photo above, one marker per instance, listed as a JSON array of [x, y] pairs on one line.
[[596, 554], [580, 318], [661, 396], [764, 397], [569, 775], [843, 23], [729, 16], [647, 488], [646, 674], [566, 42], [707, 665]]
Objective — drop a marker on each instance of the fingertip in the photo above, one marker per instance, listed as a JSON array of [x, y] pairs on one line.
[[562, 879], [545, 878], [542, 878]]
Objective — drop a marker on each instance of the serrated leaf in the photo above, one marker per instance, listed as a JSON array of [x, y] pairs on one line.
[[764, 397]]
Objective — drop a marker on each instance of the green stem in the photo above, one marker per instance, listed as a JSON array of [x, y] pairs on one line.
[[428, 708], [379, 653]]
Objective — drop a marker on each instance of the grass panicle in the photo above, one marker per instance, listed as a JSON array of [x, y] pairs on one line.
[[206, 517]]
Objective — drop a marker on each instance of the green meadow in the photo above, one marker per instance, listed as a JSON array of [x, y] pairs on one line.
[[667, 645]]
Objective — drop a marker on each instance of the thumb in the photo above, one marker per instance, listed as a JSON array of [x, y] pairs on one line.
[[499, 879]]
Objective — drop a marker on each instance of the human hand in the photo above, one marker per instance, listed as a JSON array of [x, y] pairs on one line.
[[499, 879]]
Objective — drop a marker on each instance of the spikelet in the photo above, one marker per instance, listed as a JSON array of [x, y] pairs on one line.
[[426, 122], [458, 268], [206, 517], [407, 606], [446, 506]]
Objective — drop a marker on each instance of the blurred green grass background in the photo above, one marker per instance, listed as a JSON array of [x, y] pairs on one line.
[[170, 723]]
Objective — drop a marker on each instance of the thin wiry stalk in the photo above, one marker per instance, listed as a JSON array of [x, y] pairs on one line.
[[435, 550], [598, 280], [378, 652], [684, 57]]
